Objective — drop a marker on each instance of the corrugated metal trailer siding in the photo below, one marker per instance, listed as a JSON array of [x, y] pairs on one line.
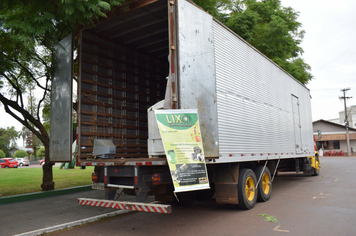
[[254, 99]]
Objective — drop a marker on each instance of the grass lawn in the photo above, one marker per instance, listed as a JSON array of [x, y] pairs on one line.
[[15, 181]]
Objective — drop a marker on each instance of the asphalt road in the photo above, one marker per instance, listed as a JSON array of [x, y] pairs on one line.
[[31, 166], [303, 205]]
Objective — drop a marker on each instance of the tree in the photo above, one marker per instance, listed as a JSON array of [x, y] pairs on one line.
[[8, 138], [2, 154], [32, 141], [217, 8], [29, 31], [22, 134], [41, 152], [269, 27], [20, 153]]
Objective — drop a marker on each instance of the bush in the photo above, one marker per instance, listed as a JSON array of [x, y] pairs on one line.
[[41, 152], [20, 153], [2, 154]]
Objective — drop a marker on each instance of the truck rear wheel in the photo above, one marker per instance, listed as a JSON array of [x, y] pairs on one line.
[[246, 189], [265, 185]]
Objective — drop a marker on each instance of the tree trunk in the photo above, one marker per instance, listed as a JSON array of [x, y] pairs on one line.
[[35, 152], [47, 179]]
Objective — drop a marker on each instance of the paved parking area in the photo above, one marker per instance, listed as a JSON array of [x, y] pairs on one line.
[[21, 217]]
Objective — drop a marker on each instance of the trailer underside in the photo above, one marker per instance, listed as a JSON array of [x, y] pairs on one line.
[[230, 183]]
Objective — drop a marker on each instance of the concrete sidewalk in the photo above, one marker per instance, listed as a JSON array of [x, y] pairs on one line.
[[26, 216]]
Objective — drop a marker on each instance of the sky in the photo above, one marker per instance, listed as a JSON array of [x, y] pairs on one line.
[[329, 48]]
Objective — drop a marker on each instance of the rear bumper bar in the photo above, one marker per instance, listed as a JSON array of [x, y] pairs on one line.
[[132, 206]]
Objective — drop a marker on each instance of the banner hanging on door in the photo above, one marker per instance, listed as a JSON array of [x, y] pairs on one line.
[[181, 137]]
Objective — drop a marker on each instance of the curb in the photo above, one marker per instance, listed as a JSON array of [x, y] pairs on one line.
[[73, 224], [38, 195]]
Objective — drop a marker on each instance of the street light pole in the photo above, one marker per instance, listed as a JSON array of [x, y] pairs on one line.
[[346, 120]]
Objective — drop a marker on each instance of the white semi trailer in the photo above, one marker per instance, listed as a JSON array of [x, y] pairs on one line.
[[255, 118]]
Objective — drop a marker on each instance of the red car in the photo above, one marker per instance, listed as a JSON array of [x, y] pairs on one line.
[[42, 162], [8, 163]]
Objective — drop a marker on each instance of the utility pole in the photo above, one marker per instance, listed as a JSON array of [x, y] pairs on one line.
[[346, 119]]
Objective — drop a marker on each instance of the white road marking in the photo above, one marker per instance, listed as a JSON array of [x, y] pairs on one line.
[[321, 195], [280, 230]]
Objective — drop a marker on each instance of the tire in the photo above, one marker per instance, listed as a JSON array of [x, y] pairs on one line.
[[316, 171], [265, 185], [21, 164], [246, 189], [6, 166]]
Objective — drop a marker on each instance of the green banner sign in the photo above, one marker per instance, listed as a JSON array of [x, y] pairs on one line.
[[181, 137]]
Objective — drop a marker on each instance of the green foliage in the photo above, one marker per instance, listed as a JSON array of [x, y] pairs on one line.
[[269, 218], [41, 152], [8, 138], [2, 154], [27, 23], [269, 27], [216, 8], [20, 153], [4, 140], [29, 32], [33, 158]]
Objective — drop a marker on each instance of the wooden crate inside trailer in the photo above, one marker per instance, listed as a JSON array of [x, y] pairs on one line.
[[120, 78]]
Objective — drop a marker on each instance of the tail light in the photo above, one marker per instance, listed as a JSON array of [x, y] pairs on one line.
[[156, 179], [94, 177]]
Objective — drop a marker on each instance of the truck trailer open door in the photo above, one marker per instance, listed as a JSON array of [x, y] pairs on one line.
[[197, 83], [61, 103]]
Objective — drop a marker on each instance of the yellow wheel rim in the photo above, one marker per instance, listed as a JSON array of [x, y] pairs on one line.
[[250, 189], [317, 164], [266, 183]]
